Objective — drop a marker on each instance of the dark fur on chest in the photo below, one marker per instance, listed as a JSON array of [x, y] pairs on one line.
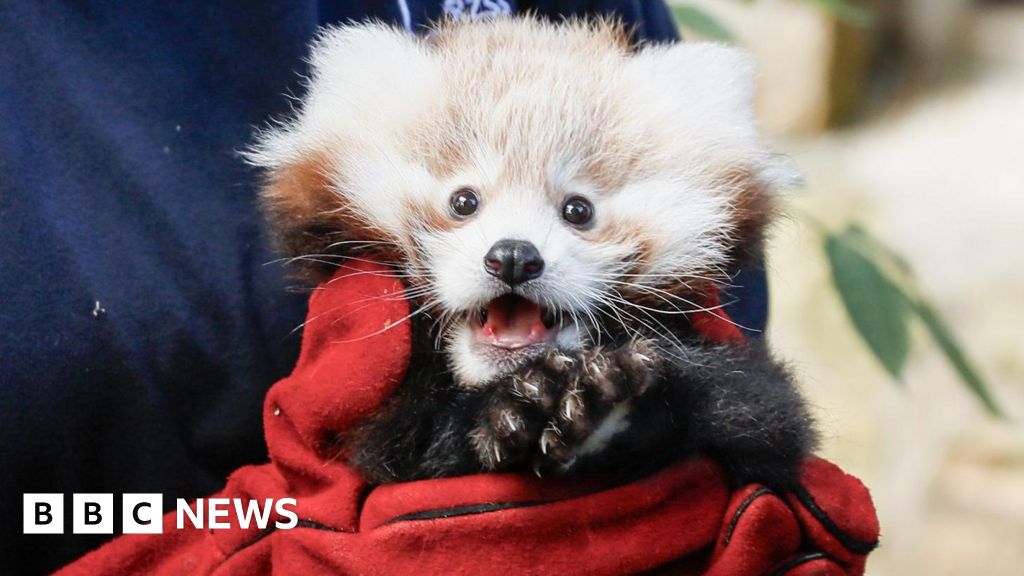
[[735, 403]]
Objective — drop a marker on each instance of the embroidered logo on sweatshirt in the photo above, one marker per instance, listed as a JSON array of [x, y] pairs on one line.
[[475, 9]]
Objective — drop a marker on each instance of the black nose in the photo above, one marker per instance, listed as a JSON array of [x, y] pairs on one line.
[[514, 261]]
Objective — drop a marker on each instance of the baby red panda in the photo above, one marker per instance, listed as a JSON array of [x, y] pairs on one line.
[[556, 199]]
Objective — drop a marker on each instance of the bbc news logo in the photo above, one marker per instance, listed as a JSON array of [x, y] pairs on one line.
[[143, 513]]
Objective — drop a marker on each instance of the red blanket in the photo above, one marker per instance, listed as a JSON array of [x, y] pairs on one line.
[[681, 520]]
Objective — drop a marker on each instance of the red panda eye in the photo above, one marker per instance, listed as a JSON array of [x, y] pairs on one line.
[[578, 211], [464, 202]]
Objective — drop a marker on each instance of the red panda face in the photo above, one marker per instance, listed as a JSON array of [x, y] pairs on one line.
[[531, 182]]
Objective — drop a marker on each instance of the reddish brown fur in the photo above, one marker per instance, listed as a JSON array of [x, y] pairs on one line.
[[307, 216], [417, 214], [753, 209], [612, 171], [447, 155]]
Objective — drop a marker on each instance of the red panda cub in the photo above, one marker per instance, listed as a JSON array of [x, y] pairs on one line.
[[556, 200]]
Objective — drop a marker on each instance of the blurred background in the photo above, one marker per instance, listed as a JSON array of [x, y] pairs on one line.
[[907, 117]]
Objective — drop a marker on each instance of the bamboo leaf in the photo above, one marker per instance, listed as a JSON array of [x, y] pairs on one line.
[[701, 22], [956, 356], [878, 308]]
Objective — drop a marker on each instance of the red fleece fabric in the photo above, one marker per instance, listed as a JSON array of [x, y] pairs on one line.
[[681, 520]]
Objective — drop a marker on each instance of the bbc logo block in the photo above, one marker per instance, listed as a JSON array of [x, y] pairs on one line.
[[93, 514], [43, 514], [143, 513]]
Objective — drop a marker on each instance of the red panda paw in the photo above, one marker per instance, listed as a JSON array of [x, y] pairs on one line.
[[563, 406]]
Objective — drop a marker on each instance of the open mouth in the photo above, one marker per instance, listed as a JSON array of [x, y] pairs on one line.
[[512, 322]]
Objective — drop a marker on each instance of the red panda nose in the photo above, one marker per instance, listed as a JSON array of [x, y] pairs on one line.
[[514, 261]]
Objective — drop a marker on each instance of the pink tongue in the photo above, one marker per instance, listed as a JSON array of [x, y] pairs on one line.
[[514, 321]]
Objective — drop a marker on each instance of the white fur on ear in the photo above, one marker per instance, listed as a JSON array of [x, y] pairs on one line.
[[367, 84], [697, 73], [700, 85], [703, 93], [780, 173]]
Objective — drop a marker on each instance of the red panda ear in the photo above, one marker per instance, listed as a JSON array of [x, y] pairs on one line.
[[368, 84], [703, 87], [706, 91]]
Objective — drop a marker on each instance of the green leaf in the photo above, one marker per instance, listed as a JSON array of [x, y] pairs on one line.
[[846, 12], [877, 307], [869, 247], [701, 22], [876, 246], [949, 346]]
